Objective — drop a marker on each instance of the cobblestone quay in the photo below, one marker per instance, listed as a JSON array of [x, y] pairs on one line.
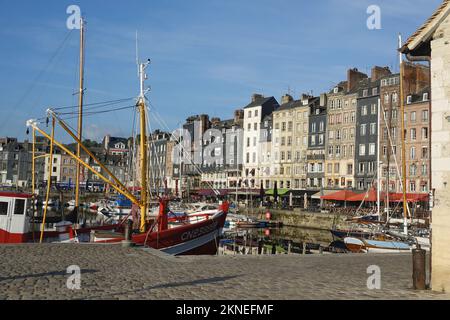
[[112, 272]]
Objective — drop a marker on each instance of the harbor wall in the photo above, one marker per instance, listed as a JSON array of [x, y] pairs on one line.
[[304, 219]]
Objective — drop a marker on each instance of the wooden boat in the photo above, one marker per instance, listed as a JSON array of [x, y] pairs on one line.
[[358, 245]]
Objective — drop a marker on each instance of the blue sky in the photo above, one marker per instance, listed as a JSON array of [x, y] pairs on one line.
[[208, 56]]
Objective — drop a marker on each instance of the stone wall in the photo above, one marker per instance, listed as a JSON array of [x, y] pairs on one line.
[[305, 219], [440, 138]]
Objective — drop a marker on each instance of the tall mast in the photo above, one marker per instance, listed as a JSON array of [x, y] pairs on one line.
[[378, 160], [143, 145], [80, 112], [403, 137]]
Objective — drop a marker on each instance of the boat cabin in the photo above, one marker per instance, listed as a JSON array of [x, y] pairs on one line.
[[14, 217]]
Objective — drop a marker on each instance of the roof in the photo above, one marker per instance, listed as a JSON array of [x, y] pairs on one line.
[[290, 105], [259, 101], [425, 32]]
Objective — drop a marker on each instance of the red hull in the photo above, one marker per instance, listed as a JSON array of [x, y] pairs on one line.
[[192, 239]]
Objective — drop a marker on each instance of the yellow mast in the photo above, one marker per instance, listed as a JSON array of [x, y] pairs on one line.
[[403, 137], [80, 112], [33, 165], [49, 178], [143, 146]]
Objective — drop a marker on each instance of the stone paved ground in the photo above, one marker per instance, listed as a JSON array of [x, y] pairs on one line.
[[112, 272]]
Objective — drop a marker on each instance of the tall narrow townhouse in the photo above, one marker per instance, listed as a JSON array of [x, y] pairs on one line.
[[300, 142], [366, 134], [316, 142], [416, 81], [254, 113], [341, 128], [283, 136]]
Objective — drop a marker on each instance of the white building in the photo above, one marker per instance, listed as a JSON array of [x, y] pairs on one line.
[[254, 112]]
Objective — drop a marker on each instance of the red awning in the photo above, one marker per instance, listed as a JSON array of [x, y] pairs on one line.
[[341, 195], [410, 197], [370, 196]]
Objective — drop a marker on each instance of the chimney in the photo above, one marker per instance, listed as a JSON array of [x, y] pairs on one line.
[[256, 96], [353, 77], [323, 99], [379, 72], [286, 99], [238, 116]]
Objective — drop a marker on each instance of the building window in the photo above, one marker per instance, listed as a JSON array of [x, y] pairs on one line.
[[386, 98], [425, 96], [361, 167], [349, 169], [374, 91], [320, 138], [364, 110], [424, 133], [373, 109], [373, 128], [362, 149], [363, 129], [424, 152], [413, 134], [408, 99], [371, 149], [413, 170], [365, 92], [321, 126], [413, 153], [413, 116], [256, 113], [424, 115], [249, 114]]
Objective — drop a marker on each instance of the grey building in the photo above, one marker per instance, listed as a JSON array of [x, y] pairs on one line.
[[366, 134], [15, 163], [158, 159], [222, 164]]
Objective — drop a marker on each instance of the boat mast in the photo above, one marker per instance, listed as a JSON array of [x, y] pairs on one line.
[[143, 144], [378, 161], [403, 137], [80, 113]]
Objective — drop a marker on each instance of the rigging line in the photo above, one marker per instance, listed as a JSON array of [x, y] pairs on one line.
[[395, 160], [93, 104], [92, 113], [39, 75]]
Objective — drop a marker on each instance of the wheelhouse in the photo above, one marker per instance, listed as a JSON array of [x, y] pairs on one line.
[[14, 217]]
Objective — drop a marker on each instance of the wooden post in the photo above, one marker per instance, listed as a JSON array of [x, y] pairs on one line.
[[419, 272]]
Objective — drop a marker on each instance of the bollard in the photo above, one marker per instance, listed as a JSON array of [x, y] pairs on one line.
[[274, 248], [304, 248], [128, 232], [289, 247], [92, 236], [419, 272], [260, 246]]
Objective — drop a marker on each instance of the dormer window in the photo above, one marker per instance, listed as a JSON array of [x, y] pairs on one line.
[[408, 99], [336, 90], [425, 96], [317, 111], [365, 92]]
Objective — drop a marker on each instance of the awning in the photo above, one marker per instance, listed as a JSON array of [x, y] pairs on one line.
[[317, 195], [281, 192], [212, 193], [410, 197], [341, 195]]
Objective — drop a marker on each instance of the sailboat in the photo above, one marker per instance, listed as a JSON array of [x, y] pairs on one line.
[[154, 231], [390, 240]]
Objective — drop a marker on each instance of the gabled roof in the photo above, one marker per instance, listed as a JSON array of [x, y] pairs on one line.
[[258, 102], [425, 32], [290, 105]]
